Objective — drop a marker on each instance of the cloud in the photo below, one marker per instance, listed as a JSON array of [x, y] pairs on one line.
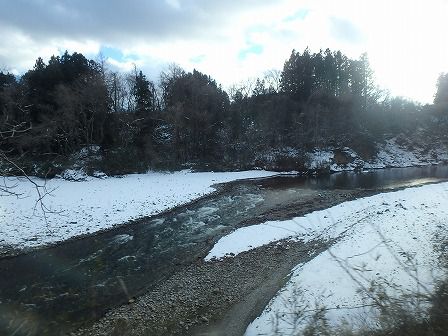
[[174, 3], [153, 30], [113, 21], [18, 51], [232, 40], [198, 59], [123, 65], [345, 31]]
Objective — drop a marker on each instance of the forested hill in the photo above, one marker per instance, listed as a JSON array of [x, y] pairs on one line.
[[72, 109]]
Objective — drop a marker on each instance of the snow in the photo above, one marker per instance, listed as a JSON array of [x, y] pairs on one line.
[[390, 154], [76, 175], [356, 161], [388, 238], [324, 224], [93, 204], [274, 154], [319, 158]]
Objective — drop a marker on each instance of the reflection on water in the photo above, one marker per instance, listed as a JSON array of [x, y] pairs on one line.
[[388, 178], [373, 179], [62, 287]]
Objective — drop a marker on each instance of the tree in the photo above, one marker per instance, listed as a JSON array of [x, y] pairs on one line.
[[196, 107], [272, 79], [7, 81], [167, 82], [363, 86], [117, 91], [144, 95], [441, 96], [260, 88], [67, 102]]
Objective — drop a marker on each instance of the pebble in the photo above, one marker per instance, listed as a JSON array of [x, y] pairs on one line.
[[202, 292]]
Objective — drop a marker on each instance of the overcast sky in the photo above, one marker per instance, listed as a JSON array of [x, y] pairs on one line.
[[232, 40]]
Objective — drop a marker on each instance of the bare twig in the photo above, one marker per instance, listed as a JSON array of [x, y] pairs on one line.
[[41, 190]]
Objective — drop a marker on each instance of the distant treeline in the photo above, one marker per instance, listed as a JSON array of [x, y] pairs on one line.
[[187, 119]]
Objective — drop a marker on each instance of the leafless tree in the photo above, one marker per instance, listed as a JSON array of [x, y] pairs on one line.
[[272, 79], [10, 131]]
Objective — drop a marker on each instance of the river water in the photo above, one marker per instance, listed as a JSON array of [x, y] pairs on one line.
[[54, 290]]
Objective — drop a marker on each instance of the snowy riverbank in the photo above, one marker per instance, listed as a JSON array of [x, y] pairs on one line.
[[381, 239], [77, 208], [397, 152]]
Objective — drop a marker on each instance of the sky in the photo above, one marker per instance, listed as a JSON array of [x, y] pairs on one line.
[[233, 40]]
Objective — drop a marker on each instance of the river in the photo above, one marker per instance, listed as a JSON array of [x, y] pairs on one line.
[[74, 283]]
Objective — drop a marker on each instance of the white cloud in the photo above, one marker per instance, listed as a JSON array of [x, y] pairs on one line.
[[86, 47], [124, 66], [404, 40], [18, 51], [174, 3]]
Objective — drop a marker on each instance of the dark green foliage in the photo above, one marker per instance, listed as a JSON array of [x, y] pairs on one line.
[[64, 103], [307, 74], [144, 94], [196, 107], [7, 85], [6, 80], [318, 100], [441, 97]]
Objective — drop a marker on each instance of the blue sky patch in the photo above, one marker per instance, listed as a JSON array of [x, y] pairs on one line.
[[299, 15], [197, 59], [117, 54], [253, 48]]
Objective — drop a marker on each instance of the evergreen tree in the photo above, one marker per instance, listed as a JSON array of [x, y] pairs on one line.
[[197, 107], [441, 96], [7, 80], [260, 88], [144, 95], [363, 87]]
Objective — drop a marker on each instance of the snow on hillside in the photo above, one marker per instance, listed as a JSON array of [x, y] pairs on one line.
[[93, 204], [319, 158], [383, 238], [390, 154], [397, 152]]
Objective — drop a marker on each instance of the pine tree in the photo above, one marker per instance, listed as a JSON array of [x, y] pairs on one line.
[[144, 95], [441, 96]]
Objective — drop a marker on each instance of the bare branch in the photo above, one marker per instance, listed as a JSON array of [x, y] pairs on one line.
[[41, 189]]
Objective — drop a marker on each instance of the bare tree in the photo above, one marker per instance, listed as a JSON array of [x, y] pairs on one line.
[[245, 88], [10, 131], [272, 79]]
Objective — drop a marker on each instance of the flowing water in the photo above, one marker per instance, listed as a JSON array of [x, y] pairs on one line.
[[54, 290]]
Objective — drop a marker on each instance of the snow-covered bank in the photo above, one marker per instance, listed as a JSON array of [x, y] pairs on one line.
[[397, 152], [388, 238], [88, 206], [394, 154], [390, 154]]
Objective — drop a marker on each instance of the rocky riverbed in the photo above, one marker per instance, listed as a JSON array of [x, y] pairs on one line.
[[220, 297]]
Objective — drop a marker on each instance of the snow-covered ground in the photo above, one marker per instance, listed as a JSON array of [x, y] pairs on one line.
[[390, 154], [319, 158], [94, 204], [388, 238]]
